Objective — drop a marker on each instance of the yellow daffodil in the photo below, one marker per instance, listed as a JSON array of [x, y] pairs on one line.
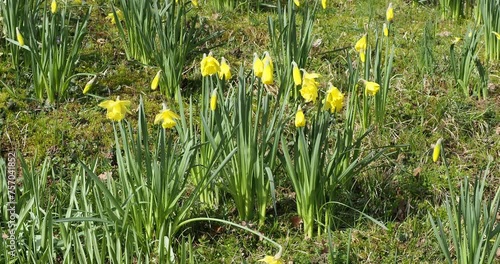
[[361, 47], [389, 14], [213, 100], [309, 89], [258, 66], [209, 65], [371, 88], [89, 84], [334, 100], [297, 2], [456, 40], [116, 110], [323, 4], [271, 260], [296, 74], [267, 58], [77, 2], [225, 70], [111, 17], [194, 3], [267, 74], [53, 6], [300, 119], [19, 37], [156, 81], [386, 30], [437, 150], [496, 34], [167, 118]]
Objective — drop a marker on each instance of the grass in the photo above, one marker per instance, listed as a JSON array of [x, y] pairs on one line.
[[398, 190]]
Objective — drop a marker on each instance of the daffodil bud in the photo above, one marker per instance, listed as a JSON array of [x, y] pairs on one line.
[[19, 37], [213, 100], [53, 7], [225, 70], [437, 150], [89, 84], [156, 81], [258, 66], [300, 119], [267, 75], [297, 79], [389, 14]]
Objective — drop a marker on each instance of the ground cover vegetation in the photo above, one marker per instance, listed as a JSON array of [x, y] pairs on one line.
[[230, 131]]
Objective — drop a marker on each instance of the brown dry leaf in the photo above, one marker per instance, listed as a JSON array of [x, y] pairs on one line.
[[417, 171], [296, 221]]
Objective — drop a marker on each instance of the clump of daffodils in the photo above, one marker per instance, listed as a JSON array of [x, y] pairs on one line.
[[263, 68], [210, 66]]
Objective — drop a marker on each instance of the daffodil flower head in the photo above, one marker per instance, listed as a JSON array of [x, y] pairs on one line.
[[111, 16], [258, 66], [323, 4], [267, 74], [389, 14], [156, 81], [116, 110], [371, 88], [194, 3], [361, 47], [361, 44], [309, 89], [167, 118], [386, 30], [496, 34], [456, 40], [89, 84], [334, 100], [77, 2], [271, 260], [19, 37], [225, 70], [267, 58], [213, 100], [437, 150], [297, 2], [300, 119], [53, 7], [209, 65], [297, 79]]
